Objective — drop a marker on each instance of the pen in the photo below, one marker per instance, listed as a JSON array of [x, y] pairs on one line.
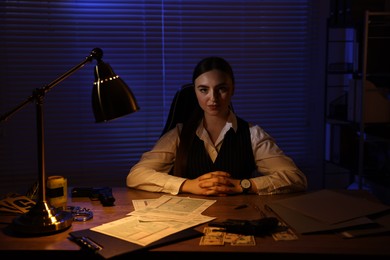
[[242, 206], [87, 242]]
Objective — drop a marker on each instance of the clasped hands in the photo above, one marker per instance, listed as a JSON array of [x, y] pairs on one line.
[[217, 183]]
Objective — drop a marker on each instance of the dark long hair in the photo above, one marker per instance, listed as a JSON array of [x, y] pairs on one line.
[[188, 132], [212, 63]]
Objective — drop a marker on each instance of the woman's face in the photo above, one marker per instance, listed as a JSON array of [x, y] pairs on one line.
[[214, 90]]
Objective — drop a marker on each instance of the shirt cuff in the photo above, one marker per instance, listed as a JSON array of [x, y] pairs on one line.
[[173, 185]]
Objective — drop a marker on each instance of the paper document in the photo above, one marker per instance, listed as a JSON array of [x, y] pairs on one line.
[[156, 219], [173, 208], [140, 204]]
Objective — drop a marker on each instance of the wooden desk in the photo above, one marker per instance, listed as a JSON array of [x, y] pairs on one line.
[[58, 245]]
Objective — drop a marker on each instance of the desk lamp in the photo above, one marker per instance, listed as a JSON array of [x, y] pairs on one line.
[[111, 98]]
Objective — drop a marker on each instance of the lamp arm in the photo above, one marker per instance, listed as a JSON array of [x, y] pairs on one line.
[[42, 217], [95, 54], [39, 96], [7, 115]]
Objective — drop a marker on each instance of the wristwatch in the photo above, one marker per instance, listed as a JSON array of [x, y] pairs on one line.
[[245, 185]]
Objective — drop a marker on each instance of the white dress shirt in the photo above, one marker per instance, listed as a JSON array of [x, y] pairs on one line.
[[276, 172]]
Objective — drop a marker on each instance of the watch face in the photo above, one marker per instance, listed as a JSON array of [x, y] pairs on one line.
[[245, 184]]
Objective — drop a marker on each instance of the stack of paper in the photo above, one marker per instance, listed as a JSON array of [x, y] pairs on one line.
[[157, 219]]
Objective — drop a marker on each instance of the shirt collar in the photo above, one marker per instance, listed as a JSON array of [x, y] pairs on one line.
[[230, 123]]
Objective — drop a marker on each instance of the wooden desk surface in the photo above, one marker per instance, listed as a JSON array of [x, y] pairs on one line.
[[331, 244]]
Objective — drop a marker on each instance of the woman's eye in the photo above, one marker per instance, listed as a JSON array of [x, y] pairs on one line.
[[222, 90]]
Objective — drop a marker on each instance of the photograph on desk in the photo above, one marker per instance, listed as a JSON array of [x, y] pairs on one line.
[[14, 203], [329, 211]]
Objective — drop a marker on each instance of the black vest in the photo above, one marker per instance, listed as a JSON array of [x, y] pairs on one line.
[[234, 157]]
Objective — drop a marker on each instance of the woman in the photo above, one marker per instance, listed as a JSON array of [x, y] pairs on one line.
[[216, 153]]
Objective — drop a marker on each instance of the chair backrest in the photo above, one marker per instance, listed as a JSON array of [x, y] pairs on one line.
[[183, 105]]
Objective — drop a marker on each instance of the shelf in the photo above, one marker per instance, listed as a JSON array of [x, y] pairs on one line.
[[357, 99]]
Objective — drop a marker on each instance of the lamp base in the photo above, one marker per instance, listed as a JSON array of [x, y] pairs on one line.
[[42, 219]]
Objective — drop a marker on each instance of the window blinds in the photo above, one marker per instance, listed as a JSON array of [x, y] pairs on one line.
[[153, 46]]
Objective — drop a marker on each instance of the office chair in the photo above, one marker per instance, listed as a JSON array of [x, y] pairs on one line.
[[183, 105]]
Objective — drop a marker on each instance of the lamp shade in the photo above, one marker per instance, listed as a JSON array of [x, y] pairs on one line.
[[111, 97]]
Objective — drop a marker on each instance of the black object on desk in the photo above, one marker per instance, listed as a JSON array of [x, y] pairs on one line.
[[109, 246], [258, 227], [104, 194]]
